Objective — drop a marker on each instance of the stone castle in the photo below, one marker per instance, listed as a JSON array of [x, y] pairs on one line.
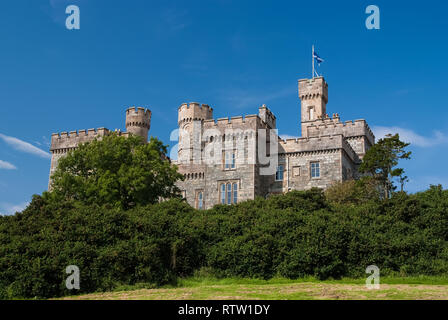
[[249, 158]]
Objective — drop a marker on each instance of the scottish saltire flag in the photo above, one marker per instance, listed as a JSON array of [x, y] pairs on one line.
[[318, 59]]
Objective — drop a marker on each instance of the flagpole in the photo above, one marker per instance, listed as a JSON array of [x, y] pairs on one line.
[[312, 57]]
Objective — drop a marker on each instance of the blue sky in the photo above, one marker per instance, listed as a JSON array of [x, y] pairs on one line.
[[232, 55]]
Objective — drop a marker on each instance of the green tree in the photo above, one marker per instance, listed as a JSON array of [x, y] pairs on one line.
[[353, 192], [381, 160], [118, 171]]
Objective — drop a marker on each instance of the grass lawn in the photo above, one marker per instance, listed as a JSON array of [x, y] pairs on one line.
[[418, 288]]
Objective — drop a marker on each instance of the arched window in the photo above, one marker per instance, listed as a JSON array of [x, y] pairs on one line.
[[235, 193], [200, 200], [223, 193], [229, 193]]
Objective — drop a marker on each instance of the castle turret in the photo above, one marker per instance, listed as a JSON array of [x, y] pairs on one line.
[[194, 111], [191, 118], [314, 96], [138, 121]]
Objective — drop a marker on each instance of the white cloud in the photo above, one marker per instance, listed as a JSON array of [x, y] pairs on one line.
[[7, 209], [7, 166], [24, 146], [412, 137]]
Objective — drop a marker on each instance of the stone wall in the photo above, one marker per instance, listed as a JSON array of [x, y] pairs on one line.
[[209, 173], [300, 169]]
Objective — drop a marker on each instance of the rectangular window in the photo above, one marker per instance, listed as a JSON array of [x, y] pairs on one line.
[[315, 170], [311, 113], [235, 193], [230, 160], [223, 193], [200, 200], [229, 193], [279, 174]]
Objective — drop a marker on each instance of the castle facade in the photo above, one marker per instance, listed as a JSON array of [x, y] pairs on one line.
[[226, 161]]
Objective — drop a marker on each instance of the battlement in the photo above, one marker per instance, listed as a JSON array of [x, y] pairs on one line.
[[66, 140], [233, 122], [194, 111], [316, 144], [329, 126], [140, 117], [139, 111], [313, 88]]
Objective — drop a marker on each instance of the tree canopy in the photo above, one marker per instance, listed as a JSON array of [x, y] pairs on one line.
[[381, 160], [117, 171]]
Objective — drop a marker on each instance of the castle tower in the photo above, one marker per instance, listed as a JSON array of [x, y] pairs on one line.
[[190, 120], [138, 121], [313, 94]]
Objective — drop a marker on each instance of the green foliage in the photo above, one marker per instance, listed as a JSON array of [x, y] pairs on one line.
[[110, 246], [353, 192], [382, 158], [117, 171], [296, 235]]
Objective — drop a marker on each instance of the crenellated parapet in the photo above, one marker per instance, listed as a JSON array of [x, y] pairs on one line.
[[310, 89], [320, 144], [248, 121], [237, 129], [193, 112], [328, 126], [69, 140], [141, 116]]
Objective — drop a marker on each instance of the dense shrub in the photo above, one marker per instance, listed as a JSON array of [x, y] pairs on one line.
[[293, 235], [110, 247]]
